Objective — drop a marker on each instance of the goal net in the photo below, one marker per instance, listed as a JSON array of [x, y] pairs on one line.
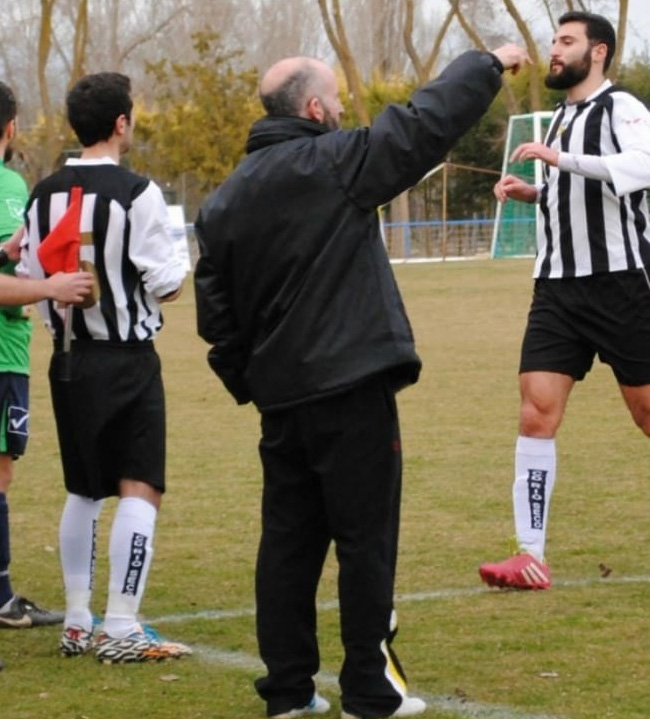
[[515, 222]]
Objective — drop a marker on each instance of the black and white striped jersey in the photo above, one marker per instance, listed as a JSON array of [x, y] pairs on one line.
[[125, 241], [596, 221]]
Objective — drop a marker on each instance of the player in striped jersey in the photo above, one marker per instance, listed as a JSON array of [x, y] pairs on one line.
[[110, 412], [592, 295]]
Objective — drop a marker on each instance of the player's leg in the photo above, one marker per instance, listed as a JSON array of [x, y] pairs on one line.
[[16, 612], [78, 432], [544, 396], [130, 553], [78, 545], [637, 400], [136, 439], [553, 356], [628, 351], [123, 638], [6, 475]]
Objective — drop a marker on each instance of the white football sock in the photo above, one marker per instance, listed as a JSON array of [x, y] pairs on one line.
[[535, 464], [130, 552], [77, 542]]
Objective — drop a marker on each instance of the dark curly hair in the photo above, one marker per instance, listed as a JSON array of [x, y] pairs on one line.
[[94, 104]]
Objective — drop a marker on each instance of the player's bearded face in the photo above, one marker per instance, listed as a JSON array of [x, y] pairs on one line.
[[563, 76], [9, 153]]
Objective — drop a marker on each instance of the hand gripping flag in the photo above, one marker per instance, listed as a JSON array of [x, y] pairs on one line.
[[59, 251]]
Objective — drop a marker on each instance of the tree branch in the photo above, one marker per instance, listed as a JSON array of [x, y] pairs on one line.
[[407, 34], [513, 105], [146, 37]]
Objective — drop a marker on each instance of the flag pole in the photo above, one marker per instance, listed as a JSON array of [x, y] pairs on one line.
[[65, 368]]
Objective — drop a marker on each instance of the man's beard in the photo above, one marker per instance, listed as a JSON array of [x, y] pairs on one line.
[[331, 122], [570, 75], [9, 153]]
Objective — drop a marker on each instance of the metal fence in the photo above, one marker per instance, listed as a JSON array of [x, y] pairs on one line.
[[422, 241], [434, 239]]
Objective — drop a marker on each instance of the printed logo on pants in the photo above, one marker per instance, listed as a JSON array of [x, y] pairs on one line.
[[136, 564], [18, 420], [537, 497]]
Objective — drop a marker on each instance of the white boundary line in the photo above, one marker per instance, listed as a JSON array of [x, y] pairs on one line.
[[455, 706], [434, 595]]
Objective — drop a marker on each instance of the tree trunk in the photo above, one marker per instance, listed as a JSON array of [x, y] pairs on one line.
[[534, 87], [337, 36], [620, 39], [44, 47]]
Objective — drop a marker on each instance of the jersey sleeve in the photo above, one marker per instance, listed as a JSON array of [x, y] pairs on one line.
[[152, 248], [630, 168]]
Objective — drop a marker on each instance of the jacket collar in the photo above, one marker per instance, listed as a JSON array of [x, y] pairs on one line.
[[272, 130]]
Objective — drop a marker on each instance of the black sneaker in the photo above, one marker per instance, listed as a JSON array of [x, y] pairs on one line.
[[23, 614]]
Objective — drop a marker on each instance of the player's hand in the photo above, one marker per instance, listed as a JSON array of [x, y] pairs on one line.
[[512, 57], [11, 248], [535, 151], [511, 187], [69, 288]]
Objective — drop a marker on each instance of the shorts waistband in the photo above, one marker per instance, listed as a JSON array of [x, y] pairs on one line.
[[132, 346]]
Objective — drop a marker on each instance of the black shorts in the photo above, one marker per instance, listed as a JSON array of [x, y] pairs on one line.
[[574, 319], [110, 417], [14, 413]]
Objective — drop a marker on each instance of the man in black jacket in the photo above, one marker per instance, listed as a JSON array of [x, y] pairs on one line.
[[297, 298]]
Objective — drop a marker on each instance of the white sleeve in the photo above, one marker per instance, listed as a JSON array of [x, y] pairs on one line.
[[630, 168], [592, 166], [151, 247]]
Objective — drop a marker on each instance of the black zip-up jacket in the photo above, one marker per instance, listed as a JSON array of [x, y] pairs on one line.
[[294, 289]]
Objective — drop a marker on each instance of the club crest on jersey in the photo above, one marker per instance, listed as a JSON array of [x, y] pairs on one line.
[[16, 209], [537, 497]]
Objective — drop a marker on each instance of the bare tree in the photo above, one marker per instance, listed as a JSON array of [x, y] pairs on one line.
[[424, 68], [534, 87], [270, 30], [468, 28], [337, 35], [621, 35]]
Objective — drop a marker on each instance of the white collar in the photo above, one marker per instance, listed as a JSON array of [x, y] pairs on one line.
[[106, 160]]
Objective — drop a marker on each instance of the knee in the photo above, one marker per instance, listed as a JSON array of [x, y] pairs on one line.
[[535, 420], [642, 420]]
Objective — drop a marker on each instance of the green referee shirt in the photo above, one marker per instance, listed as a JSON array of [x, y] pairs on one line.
[[15, 330]]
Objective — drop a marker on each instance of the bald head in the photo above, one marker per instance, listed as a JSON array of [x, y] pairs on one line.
[[289, 86]]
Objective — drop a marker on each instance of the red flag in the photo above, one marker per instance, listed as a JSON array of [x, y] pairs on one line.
[[59, 251]]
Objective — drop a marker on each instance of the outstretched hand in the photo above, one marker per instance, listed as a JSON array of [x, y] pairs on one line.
[[512, 57]]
